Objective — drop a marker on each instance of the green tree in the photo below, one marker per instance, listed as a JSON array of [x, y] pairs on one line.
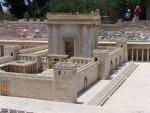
[[26, 16], [16, 7], [9, 16]]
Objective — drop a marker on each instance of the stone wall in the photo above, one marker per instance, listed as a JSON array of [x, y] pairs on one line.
[[29, 87], [112, 85], [35, 49], [109, 60], [88, 71]]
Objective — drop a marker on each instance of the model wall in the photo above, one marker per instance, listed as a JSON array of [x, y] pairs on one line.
[[90, 71], [29, 88]]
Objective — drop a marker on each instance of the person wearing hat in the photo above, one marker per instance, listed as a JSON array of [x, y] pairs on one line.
[[137, 11], [128, 15]]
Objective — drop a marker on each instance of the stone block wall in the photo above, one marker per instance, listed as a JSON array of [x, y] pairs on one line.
[[29, 87], [108, 60], [65, 82], [90, 72]]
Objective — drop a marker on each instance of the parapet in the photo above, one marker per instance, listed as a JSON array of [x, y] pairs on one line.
[[12, 47], [79, 18], [65, 65], [121, 41], [101, 51]]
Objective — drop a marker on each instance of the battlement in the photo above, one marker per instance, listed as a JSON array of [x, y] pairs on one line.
[[12, 47], [65, 65], [90, 18], [30, 76], [101, 51], [21, 63], [97, 12]]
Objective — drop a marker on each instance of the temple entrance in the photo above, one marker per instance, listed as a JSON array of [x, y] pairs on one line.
[[69, 48]]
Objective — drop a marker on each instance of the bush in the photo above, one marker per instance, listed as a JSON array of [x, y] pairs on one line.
[[9, 17], [26, 16]]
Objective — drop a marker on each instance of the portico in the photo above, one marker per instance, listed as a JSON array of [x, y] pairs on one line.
[[140, 52]]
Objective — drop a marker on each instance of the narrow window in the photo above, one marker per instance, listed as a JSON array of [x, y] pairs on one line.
[[95, 59], [11, 54], [58, 72]]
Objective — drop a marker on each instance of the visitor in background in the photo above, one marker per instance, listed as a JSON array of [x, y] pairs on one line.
[[128, 15], [137, 11]]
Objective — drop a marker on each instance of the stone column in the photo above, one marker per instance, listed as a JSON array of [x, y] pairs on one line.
[[137, 55], [132, 55], [147, 54], [142, 54]]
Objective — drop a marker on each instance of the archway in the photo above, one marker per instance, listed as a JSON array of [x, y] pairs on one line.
[[120, 60], [116, 63], [111, 66], [85, 83]]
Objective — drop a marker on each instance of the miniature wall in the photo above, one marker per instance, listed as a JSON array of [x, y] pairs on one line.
[[141, 25], [29, 87], [117, 58], [6, 59], [80, 60], [31, 50], [34, 58], [90, 71], [110, 87]]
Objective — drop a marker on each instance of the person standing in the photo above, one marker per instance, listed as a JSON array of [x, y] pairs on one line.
[[137, 11], [128, 15]]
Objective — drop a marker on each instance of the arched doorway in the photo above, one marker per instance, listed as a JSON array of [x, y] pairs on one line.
[[85, 83], [111, 66], [116, 63], [120, 60]]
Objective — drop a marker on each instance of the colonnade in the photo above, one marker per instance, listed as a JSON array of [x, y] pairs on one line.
[[21, 69], [139, 54]]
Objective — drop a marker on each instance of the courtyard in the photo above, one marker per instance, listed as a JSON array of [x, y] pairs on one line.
[[134, 93]]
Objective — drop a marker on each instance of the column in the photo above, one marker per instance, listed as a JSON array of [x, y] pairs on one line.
[[147, 55], [132, 55], [142, 53], [137, 55]]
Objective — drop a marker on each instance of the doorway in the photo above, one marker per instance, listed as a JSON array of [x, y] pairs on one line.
[[4, 91], [69, 46]]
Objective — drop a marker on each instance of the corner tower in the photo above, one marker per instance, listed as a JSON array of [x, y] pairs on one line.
[[65, 82]]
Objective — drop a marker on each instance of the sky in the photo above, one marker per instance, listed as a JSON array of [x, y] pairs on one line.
[[4, 8]]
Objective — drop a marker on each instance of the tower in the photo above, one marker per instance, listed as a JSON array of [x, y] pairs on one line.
[[65, 82], [123, 44], [11, 51], [102, 57]]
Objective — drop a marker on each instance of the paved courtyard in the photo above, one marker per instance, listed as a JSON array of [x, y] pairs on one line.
[[134, 93]]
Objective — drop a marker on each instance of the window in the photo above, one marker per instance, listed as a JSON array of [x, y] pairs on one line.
[[11, 53], [95, 59], [4, 89], [58, 72]]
